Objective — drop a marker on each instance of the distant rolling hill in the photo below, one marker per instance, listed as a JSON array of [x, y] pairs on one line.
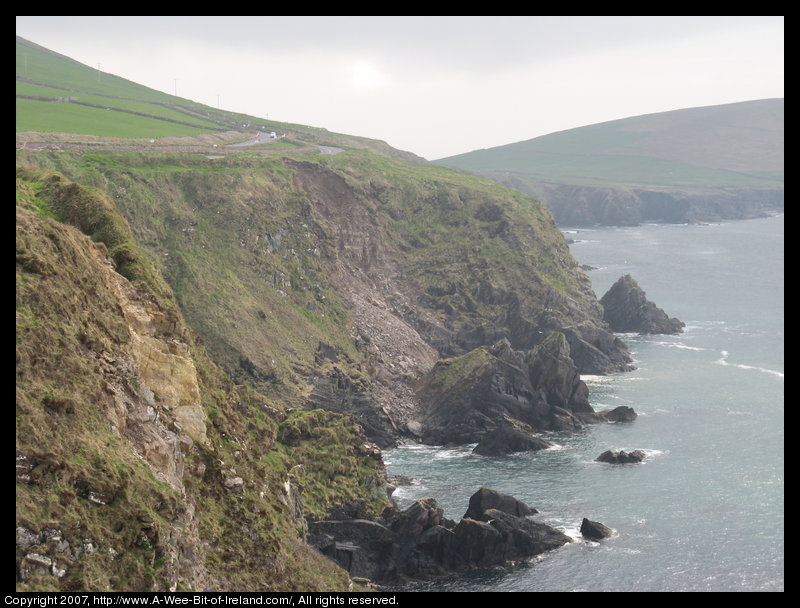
[[687, 165]]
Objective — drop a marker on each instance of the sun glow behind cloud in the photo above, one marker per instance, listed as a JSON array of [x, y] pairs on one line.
[[365, 76]]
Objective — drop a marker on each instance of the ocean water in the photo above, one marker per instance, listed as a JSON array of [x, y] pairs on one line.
[[704, 511]]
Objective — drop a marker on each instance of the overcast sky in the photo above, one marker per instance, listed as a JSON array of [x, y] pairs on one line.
[[436, 86]]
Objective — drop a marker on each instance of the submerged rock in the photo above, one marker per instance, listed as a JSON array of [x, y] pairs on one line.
[[621, 457], [627, 309]]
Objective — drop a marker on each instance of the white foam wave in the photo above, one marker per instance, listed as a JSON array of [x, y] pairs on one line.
[[596, 379], [459, 452], [723, 360], [610, 380], [678, 345], [658, 410], [574, 532], [408, 492]]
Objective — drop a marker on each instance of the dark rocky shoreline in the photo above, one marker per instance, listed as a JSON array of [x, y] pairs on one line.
[[420, 543], [501, 399]]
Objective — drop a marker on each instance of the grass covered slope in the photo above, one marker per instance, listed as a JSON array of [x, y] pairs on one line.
[[336, 281], [140, 465], [731, 145], [94, 102], [56, 94], [258, 246]]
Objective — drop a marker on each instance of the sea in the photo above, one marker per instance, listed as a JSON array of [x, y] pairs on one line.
[[704, 511]]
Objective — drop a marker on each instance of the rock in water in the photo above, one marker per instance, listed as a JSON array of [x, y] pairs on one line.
[[468, 397], [485, 499], [506, 439], [621, 457], [627, 309], [420, 543], [622, 413], [594, 530], [504, 537]]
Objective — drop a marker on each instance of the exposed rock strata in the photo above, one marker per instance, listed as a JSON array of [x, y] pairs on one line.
[[402, 328], [627, 309], [392, 266], [576, 205], [341, 394], [596, 350]]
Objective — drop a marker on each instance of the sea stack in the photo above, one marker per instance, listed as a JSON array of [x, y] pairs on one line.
[[628, 310]]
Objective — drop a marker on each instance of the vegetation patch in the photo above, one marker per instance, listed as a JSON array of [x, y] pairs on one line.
[[334, 466], [92, 514]]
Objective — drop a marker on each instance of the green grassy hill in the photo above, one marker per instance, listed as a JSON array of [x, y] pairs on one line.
[[715, 152], [731, 145], [56, 94], [94, 102]]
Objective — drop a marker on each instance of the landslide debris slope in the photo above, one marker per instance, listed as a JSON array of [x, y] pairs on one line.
[[339, 281], [140, 466]]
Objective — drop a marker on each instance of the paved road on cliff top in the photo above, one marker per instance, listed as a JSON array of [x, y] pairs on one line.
[[264, 138], [259, 138]]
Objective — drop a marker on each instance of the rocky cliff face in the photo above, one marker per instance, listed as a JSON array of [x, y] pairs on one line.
[[339, 282], [359, 284], [576, 205], [140, 466]]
